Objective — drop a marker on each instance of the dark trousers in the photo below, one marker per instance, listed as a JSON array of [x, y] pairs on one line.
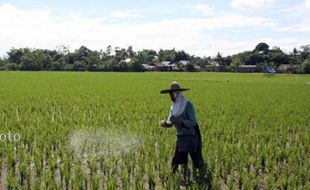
[[181, 157]]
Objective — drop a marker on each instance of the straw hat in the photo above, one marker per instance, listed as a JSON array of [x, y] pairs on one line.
[[174, 87]]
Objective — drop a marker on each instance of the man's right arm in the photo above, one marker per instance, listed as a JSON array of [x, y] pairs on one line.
[[168, 122]]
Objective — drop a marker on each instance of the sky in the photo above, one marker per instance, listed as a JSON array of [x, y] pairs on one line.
[[200, 27]]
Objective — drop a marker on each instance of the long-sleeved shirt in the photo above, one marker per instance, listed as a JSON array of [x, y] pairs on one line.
[[187, 120]]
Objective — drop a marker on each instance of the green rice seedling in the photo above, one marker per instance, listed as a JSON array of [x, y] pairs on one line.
[[125, 175], [11, 157], [23, 172], [255, 130], [95, 179], [112, 182], [79, 176], [12, 182]]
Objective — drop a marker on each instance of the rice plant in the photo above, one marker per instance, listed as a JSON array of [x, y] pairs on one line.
[[101, 130]]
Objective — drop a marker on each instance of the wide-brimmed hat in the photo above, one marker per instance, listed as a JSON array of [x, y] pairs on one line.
[[174, 87]]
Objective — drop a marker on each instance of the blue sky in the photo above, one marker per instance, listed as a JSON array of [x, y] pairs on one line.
[[199, 27]]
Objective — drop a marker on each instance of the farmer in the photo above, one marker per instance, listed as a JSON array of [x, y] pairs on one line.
[[182, 116]]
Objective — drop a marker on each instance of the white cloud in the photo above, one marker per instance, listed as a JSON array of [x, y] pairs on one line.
[[125, 14], [43, 29], [286, 43], [234, 20], [298, 9], [243, 4], [226, 47], [301, 11], [304, 25], [307, 4], [203, 9]]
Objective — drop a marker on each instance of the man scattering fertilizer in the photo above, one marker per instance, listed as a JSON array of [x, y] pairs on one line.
[[182, 116]]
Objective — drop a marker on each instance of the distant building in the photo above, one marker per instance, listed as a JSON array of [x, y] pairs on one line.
[[214, 68], [209, 67], [166, 63], [148, 67], [157, 67], [184, 62], [247, 68], [197, 68], [284, 68], [175, 67]]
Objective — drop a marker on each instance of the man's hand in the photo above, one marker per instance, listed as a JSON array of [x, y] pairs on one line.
[[163, 123]]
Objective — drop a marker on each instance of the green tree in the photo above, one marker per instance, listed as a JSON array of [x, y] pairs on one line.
[[305, 53], [262, 47], [121, 54], [130, 52], [79, 65], [306, 66], [167, 55], [277, 56], [236, 61], [146, 56], [15, 55], [1, 65], [108, 50], [190, 67], [181, 55], [135, 65], [219, 59], [202, 62]]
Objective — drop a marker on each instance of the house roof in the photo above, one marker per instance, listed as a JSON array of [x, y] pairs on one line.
[[160, 65], [146, 66], [284, 65], [167, 63], [197, 67], [247, 66], [184, 62]]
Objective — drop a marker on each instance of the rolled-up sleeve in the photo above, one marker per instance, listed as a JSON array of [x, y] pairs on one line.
[[169, 123]]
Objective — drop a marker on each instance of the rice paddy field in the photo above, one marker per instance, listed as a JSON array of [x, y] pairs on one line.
[[62, 130]]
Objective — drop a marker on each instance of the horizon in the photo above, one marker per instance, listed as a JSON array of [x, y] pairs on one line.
[[201, 28]]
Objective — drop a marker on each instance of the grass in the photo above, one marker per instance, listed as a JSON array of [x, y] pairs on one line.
[[255, 129]]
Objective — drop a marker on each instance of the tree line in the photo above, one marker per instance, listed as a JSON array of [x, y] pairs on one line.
[[126, 59]]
